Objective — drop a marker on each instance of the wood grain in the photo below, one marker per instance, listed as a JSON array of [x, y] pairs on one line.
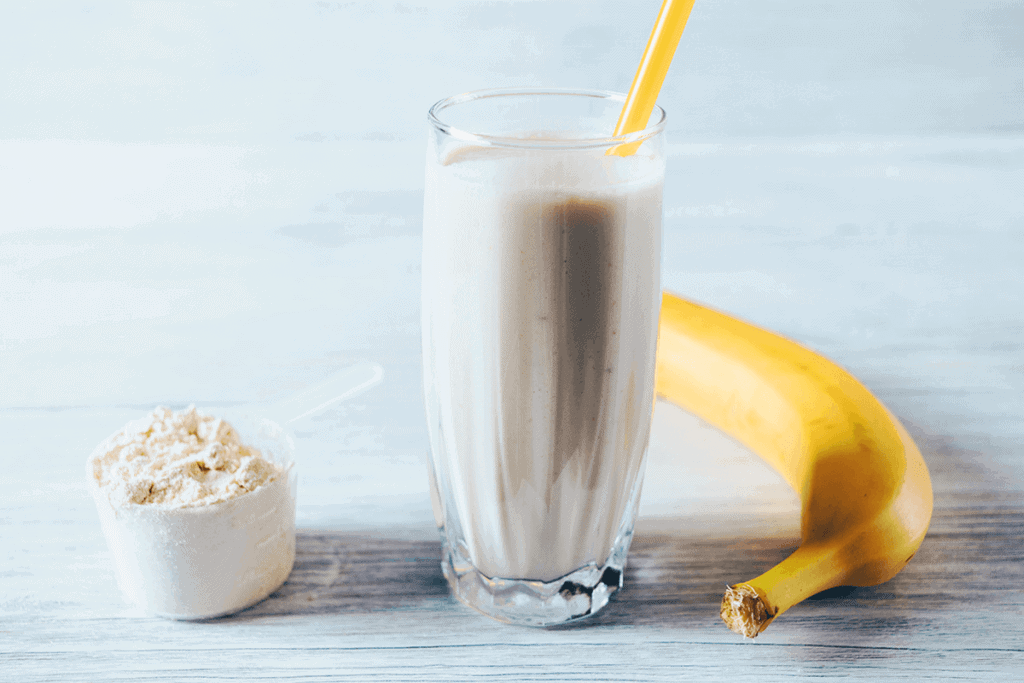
[[366, 599], [361, 604]]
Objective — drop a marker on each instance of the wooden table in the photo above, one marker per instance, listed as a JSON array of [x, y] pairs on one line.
[[226, 266]]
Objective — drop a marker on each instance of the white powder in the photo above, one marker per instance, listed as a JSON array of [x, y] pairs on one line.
[[177, 460], [198, 523]]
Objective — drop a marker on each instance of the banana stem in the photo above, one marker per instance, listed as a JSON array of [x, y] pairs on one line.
[[748, 608]]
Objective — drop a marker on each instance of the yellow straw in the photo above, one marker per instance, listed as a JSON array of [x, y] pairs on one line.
[[653, 66]]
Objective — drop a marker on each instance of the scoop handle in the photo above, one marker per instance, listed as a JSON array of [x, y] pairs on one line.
[[342, 385]]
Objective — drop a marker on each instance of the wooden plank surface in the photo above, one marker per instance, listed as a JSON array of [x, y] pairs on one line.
[[367, 600]]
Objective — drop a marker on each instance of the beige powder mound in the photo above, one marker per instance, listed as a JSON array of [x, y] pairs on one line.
[[179, 459]]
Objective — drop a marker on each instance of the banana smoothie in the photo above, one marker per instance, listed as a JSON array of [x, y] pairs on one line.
[[541, 294]]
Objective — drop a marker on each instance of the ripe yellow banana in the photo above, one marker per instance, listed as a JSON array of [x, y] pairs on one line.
[[865, 491]]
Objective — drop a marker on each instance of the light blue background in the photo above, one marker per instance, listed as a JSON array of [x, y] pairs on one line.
[[219, 202]]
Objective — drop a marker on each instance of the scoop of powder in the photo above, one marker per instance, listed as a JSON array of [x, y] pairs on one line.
[[179, 459]]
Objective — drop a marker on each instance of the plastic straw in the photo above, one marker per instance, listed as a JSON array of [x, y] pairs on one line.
[[643, 94]]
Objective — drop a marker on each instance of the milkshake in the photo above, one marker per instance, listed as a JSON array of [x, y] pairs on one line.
[[541, 292]]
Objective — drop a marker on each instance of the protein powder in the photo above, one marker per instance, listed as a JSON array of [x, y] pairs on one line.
[[200, 522]]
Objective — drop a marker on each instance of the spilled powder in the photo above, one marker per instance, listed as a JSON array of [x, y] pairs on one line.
[[179, 459]]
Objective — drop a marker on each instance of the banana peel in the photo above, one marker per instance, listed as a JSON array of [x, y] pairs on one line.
[[866, 496]]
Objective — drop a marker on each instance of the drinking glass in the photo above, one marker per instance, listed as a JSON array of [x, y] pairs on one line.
[[541, 294]]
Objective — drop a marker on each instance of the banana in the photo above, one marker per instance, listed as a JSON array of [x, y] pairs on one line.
[[865, 490]]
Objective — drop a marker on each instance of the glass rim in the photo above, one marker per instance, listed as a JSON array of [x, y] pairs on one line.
[[483, 139]]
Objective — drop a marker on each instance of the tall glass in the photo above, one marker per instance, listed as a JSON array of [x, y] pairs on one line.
[[541, 293]]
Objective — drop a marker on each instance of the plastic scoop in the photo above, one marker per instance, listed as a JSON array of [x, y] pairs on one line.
[[643, 93], [212, 560]]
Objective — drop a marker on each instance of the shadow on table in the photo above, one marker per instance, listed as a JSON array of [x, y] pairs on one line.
[[677, 581], [343, 572], [669, 580], [971, 555], [674, 578]]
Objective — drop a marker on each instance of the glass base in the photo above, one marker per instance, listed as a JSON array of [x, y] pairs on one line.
[[574, 596]]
